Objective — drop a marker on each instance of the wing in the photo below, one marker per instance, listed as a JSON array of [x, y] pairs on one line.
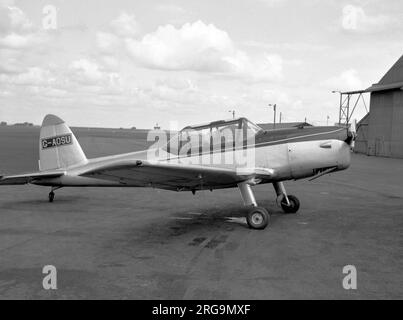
[[30, 177], [179, 177]]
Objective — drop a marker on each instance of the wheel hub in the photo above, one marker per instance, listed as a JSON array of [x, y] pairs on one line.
[[290, 204], [257, 218]]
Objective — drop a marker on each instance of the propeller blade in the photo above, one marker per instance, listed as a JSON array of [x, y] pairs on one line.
[[353, 131], [353, 127]]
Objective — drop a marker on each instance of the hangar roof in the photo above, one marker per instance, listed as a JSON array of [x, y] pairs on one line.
[[394, 75], [393, 79]]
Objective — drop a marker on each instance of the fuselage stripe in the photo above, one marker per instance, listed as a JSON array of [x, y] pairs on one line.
[[259, 145]]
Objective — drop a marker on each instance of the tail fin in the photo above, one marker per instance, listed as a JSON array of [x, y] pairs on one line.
[[58, 147]]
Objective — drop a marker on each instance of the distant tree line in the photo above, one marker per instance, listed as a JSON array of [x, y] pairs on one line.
[[24, 124]]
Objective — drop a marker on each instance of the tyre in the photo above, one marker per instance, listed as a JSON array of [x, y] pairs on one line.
[[293, 207], [258, 218]]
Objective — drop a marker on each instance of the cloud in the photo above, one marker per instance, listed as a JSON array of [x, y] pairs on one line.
[[273, 3], [202, 48], [287, 46], [9, 62], [355, 19], [347, 80], [267, 68], [194, 46], [176, 91], [86, 70], [81, 76], [125, 25], [18, 19], [17, 34], [110, 41], [34, 76], [13, 19], [89, 75], [14, 41], [171, 9], [107, 42], [20, 40]]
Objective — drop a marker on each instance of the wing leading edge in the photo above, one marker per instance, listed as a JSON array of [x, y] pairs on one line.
[[173, 176]]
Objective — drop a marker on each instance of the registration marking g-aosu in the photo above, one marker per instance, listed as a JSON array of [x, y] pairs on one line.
[[58, 141]]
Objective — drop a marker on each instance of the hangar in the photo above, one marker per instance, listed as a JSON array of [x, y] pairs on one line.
[[283, 125], [380, 132]]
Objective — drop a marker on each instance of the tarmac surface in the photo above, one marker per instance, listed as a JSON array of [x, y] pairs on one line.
[[150, 244]]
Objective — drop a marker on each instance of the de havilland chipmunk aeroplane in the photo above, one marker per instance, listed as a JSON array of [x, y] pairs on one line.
[[279, 155]]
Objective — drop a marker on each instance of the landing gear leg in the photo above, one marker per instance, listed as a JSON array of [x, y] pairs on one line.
[[289, 203], [52, 193], [258, 218], [51, 196]]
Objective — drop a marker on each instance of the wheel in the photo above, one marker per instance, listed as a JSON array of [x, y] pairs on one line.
[[258, 218], [51, 196], [293, 207]]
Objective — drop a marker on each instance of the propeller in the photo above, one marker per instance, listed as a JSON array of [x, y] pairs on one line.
[[352, 134]]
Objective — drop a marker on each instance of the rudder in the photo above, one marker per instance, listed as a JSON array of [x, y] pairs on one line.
[[58, 147]]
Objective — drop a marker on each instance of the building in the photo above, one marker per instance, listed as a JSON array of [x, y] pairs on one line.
[[380, 132], [361, 142], [283, 125], [25, 124]]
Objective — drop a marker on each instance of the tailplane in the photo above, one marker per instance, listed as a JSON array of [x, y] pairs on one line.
[[58, 147]]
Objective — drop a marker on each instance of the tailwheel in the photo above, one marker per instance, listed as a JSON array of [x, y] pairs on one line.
[[258, 218], [292, 206], [51, 196]]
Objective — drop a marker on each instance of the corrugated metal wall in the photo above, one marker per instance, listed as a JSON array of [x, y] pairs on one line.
[[361, 143], [385, 129]]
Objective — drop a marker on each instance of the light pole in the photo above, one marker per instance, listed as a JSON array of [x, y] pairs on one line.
[[233, 113], [327, 121], [341, 103], [275, 110]]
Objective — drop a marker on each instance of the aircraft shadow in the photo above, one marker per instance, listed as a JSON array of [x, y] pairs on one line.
[[200, 224], [21, 204]]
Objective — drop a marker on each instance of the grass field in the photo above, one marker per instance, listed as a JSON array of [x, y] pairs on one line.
[[20, 145]]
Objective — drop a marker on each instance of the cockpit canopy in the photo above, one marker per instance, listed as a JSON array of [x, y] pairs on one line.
[[241, 123], [219, 135]]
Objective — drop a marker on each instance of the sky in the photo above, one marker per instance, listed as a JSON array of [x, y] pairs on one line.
[[125, 63]]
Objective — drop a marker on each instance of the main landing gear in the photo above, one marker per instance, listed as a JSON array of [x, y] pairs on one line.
[[290, 204], [258, 218], [52, 194]]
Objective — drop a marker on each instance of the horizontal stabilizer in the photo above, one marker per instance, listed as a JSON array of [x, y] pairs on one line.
[[30, 177]]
